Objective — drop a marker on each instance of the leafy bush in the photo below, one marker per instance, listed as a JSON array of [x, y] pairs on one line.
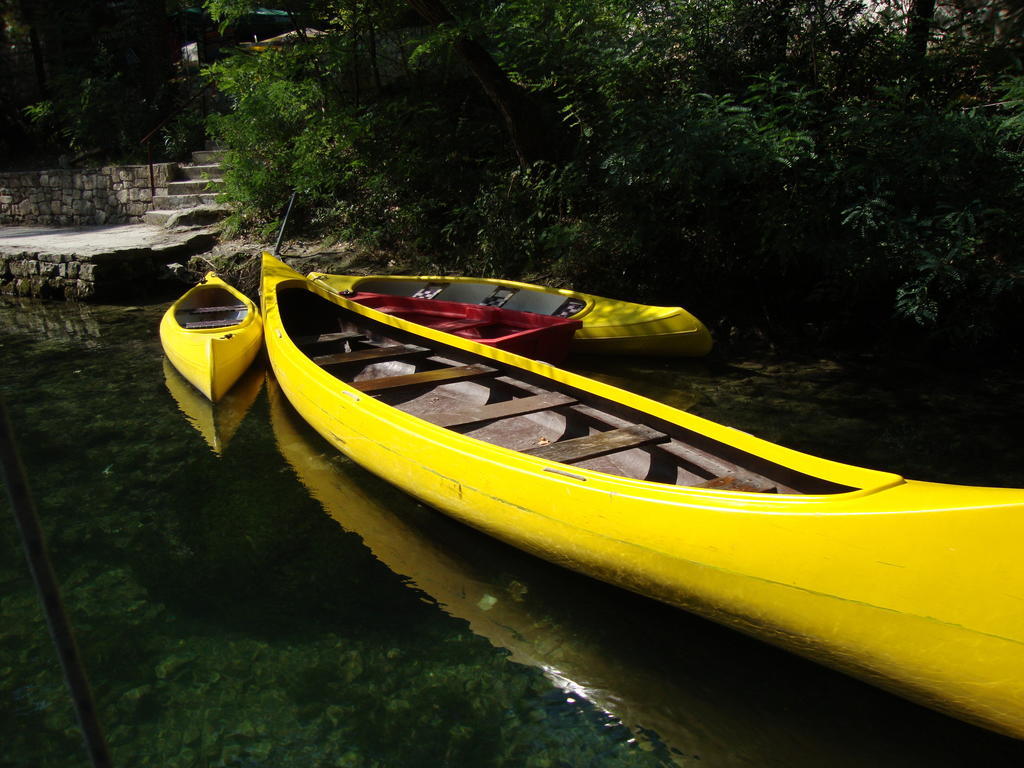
[[775, 164]]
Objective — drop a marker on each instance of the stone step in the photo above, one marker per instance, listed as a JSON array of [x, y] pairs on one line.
[[212, 171], [206, 156], [194, 187], [187, 217], [176, 202], [157, 218]]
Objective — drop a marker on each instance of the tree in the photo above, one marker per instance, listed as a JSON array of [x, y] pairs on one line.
[[102, 67], [919, 26], [535, 135], [27, 12]]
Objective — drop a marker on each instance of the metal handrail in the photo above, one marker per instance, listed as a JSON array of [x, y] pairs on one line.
[[148, 138]]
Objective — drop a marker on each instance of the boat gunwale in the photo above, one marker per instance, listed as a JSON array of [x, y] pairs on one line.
[[627, 337]]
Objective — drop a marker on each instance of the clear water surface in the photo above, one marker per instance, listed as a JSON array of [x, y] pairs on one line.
[[269, 604]]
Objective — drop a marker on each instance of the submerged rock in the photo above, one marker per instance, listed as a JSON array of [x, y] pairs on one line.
[[173, 664]]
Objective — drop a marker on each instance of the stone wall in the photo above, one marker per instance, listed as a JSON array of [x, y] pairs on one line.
[[74, 198], [63, 276]]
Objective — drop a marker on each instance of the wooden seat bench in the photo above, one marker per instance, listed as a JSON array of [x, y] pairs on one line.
[[701, 463], [517, 407], [579, 449], [368, 355], [228, 308], [433, 376], [212, 323], [323, 338]]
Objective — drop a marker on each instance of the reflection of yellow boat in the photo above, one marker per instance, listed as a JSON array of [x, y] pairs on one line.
[[211, 335], [216, 422], [913, 586], [610, 326]]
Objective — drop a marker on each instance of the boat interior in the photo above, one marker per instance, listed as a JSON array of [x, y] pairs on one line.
[[467, 320], [210, 307], [487, 294], [521, 410]]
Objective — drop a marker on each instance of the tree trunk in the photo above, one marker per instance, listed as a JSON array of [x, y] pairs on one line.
[[534, 135], [28, 17], [919, 26]]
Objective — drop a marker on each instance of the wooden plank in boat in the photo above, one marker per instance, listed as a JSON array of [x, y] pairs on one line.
[[212, 323], [229, 308], [720, 468], [323, 338], [434, 376], [517, 407], [703, 462], [366, 355], [582, 448]]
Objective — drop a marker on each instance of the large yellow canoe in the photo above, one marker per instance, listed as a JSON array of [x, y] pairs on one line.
[[916, 587], [211, 335], [610, 326]]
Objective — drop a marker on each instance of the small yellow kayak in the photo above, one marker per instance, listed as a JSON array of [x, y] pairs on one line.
[[211, 335], [610, 326]]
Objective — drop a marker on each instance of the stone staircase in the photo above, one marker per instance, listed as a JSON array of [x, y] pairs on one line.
[[191, 198]]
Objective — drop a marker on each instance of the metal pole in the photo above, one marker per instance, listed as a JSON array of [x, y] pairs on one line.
[[152, 181], [284, 223], [49, 594]]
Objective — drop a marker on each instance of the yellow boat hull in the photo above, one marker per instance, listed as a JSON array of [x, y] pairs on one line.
[[610, 326], [211, 359], [915, 587]]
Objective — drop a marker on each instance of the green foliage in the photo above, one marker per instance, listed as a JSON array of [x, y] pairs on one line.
[[227, 11], [182, 134], [1012, 92], [781, 164], [89, 112], [105, 73], [940, 202]]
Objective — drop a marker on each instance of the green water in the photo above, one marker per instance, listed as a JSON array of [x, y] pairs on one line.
[[228, 618]]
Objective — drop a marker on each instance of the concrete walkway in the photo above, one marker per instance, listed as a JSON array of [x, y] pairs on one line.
[[97, 263], [86, 242]]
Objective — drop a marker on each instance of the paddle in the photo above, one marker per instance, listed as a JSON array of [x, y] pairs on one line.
[[49, 594], [284, 223]]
